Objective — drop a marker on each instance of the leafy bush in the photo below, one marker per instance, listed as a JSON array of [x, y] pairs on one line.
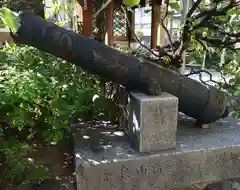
[[40, 97], [18, 168], [231, 68], [44, 94]]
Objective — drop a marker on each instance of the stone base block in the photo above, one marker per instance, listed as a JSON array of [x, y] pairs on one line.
[[152, 121], [200, 157]]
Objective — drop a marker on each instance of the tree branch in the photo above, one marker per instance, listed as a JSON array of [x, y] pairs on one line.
[[206, 17]]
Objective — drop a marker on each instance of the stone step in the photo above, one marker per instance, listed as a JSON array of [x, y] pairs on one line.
[[200, 156]]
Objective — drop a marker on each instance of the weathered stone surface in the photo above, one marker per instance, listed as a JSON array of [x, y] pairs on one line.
[[52, 184], [201, 156], [152, 122]]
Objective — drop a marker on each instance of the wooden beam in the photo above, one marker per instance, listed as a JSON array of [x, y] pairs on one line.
[[117, 3], [120, 38], [155, 32], [158, 32], [110, 18], [157, 2], [131, 29], [87, 16]]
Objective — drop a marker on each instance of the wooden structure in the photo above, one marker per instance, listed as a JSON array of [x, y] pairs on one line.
[[117, 27]]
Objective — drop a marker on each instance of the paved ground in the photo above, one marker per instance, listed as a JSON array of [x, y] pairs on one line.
[[216, 76]]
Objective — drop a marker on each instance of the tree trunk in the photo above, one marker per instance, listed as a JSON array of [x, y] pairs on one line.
[[203, 103]]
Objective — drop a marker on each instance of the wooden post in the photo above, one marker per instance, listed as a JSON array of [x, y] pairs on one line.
[[87, 17], [109, 36], [155, 29], [131, 29]]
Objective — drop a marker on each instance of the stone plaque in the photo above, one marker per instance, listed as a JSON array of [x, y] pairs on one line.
[[153, 121]]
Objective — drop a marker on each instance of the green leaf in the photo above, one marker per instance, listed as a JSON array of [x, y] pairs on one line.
[[1, 132], [175, 6], [166, 59], [21, 105], [236, 115], [95, 96], [130, 3], [2, 86], [234, 11], [56, 8], [20, 127], [10, 19], [61, 23]]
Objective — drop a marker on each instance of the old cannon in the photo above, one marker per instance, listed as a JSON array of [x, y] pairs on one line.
[[205, 104]]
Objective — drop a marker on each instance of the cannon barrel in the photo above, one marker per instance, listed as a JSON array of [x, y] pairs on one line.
[[205, 104]]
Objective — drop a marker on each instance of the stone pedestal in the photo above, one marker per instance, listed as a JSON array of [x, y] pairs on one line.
[[152, 122], [200, 157]]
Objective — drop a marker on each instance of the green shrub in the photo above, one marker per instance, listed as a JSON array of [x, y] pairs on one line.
[[44, 94], [40, 97], [17, 167]]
